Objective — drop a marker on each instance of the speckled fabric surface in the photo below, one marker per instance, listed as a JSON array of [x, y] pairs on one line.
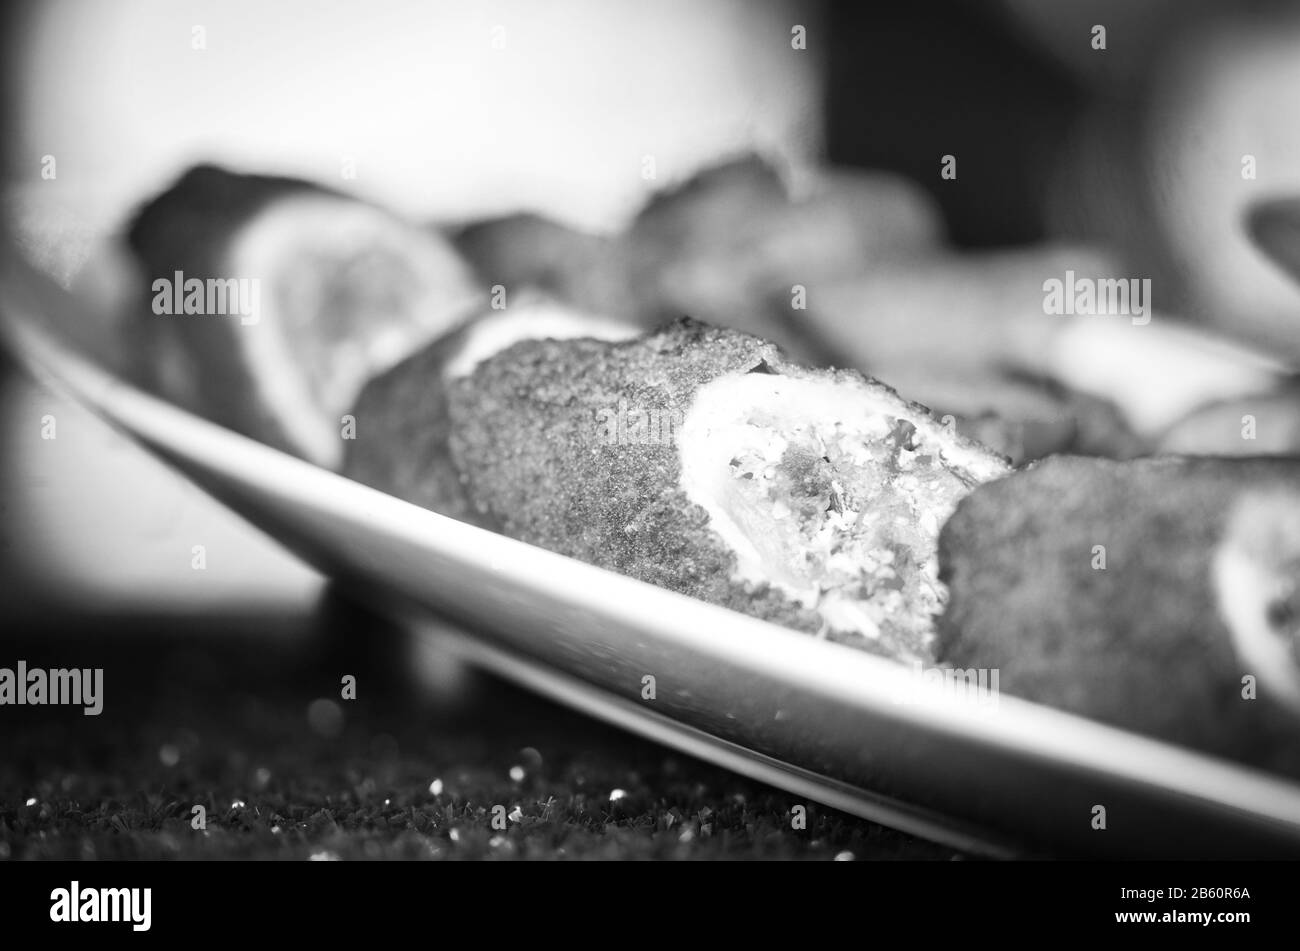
[[243, 716]]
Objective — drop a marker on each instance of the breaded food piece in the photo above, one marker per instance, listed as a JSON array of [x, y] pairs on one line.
[[404, 423], [1139, 594], [300, 294], [704, 461]]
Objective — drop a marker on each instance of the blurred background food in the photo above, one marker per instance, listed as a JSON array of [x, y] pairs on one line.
[[1219, 428], [343, 291]]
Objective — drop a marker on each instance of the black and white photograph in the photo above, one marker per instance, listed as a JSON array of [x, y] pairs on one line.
[[549, 430]]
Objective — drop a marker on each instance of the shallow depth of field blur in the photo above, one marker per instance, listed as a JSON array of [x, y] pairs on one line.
[[455, 111]]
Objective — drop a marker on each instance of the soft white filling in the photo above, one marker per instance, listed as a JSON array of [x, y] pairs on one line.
[[308, 371], [1258, 562], [831, 492]]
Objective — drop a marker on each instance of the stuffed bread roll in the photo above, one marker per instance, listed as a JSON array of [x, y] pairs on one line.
[[267, 302], [694, 458]]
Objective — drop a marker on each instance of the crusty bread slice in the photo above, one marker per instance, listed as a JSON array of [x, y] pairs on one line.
[[698, 459]]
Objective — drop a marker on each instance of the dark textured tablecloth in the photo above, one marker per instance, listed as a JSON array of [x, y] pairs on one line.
[[243, 716]]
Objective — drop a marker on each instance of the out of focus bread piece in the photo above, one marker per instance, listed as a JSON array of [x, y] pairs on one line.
[[301, 295], [527, 252], [1264, 425], [1138, 593], [720, 246]]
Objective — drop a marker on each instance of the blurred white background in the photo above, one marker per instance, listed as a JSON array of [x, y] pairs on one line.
[[447, 110]]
